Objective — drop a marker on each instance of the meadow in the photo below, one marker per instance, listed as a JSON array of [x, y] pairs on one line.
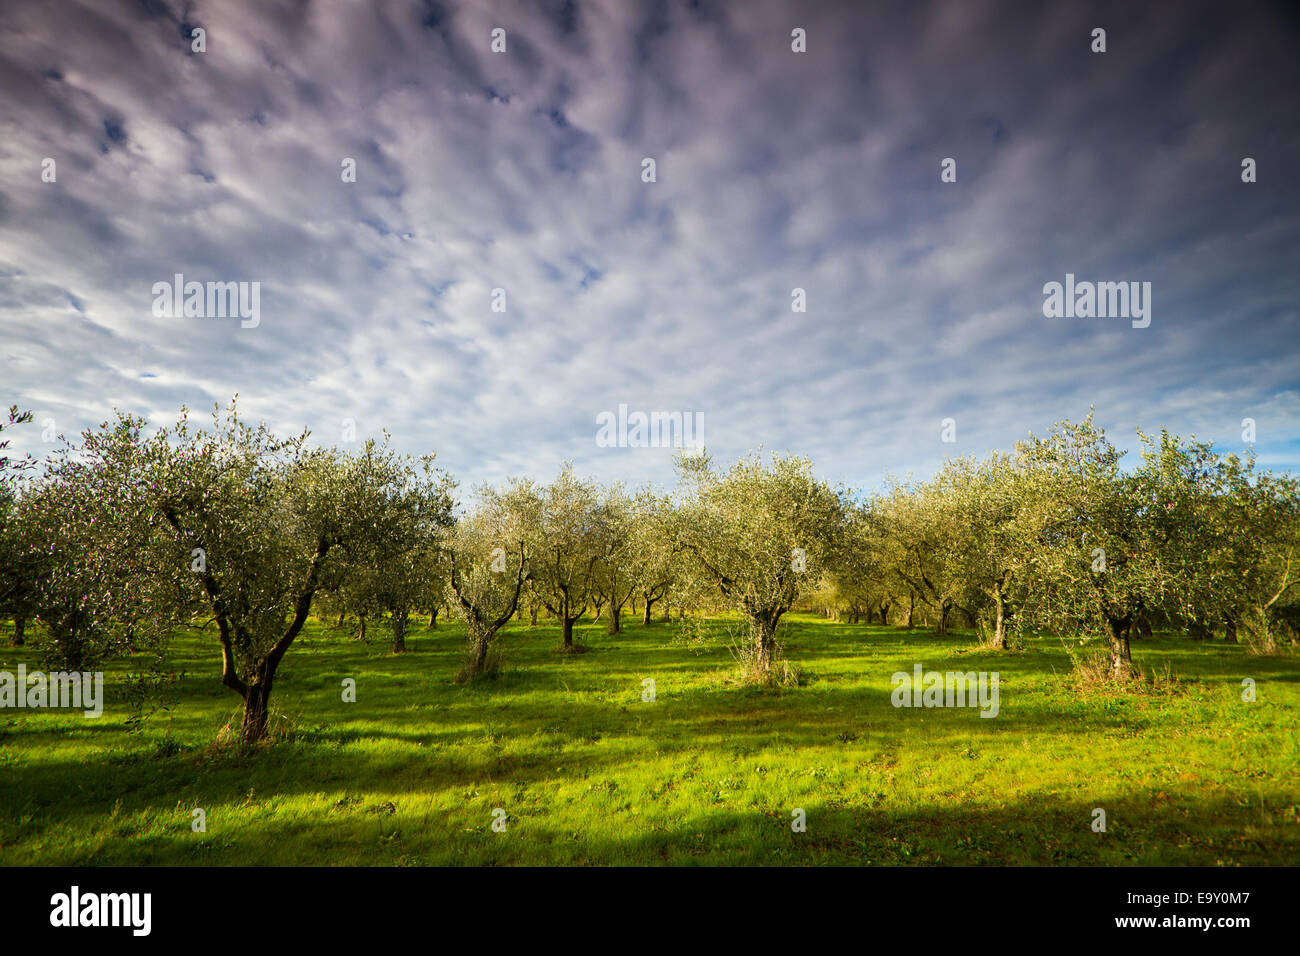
[[708, 773]]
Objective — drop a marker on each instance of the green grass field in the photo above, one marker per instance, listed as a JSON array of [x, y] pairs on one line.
[[710, 772]]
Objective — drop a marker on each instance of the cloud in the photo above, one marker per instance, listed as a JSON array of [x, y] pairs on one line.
[[522, 171]]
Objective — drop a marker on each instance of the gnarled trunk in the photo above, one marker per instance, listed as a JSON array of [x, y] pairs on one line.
[[257, 710], [480, 644], [20, 627], [764, 630]]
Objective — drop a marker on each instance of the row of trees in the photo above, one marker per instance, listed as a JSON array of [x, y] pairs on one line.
[[1056, 537], [126, 536]]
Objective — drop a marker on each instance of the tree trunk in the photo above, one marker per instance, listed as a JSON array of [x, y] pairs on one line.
[[1000, 622], [69, 640], [339, 624], [566, 622], [433, 619], [1121, 658], [257, 708], [615, 624], [645, 617], [479, 662], [911, 610], [764, 629], [361, 633], [20, 626], [1230, 629], [400, 618]]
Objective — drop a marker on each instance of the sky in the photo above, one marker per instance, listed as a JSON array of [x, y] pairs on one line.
[[774, 170]]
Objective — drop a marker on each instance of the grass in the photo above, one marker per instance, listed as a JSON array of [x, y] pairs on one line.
[[709, 773]]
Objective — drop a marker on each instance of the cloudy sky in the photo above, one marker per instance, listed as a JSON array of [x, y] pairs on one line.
[[775, 170]]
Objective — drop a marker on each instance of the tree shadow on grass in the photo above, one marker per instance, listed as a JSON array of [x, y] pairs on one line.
[[1037, 832]]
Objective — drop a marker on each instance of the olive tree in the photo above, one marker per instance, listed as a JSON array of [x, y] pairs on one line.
[[914, 525], [487, 560], [566, 549], [1265, 590], [1229, 537], [399, 566], [616, 570], [982, 557], [255, 523], [86, 536], [15, 578], [852, 577], [763, 534], [1091, 539], [653, 563]]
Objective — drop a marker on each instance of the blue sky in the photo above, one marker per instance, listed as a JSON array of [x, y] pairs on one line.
[[775, 170]]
